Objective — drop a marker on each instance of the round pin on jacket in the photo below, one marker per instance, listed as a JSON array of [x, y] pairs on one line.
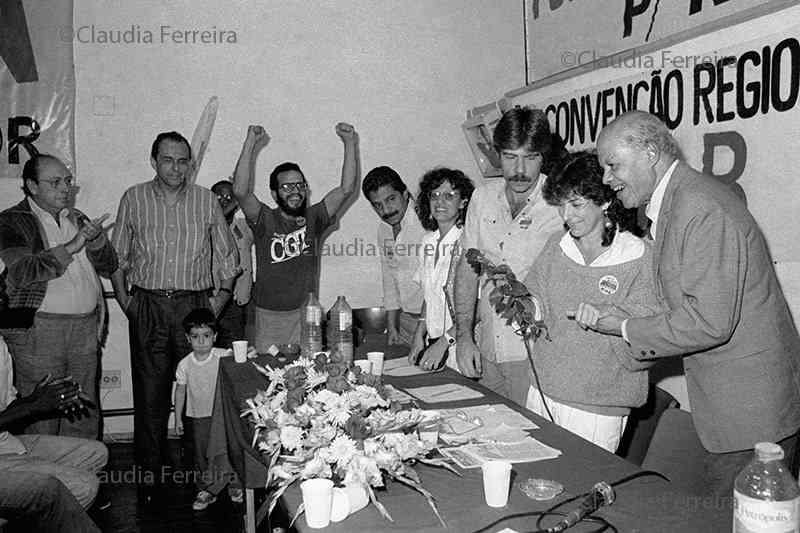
[[608, 284]]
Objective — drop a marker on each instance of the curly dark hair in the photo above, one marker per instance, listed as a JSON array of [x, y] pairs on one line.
[[430, 181], [580, 174]]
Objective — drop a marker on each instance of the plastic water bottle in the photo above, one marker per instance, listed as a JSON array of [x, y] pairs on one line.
[[311, 327], [340, 329], [766, 498]]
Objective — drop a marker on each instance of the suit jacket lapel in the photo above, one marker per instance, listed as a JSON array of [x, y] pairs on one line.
[[664, 221]]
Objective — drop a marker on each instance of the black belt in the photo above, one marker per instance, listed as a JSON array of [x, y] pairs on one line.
[[167, 293]]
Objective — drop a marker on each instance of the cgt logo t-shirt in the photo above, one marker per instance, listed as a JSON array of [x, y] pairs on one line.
[[287, 256]]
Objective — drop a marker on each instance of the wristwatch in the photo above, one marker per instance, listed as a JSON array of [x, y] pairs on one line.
[[451, 341]]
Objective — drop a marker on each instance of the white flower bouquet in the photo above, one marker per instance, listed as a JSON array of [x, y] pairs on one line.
[[324, 418]]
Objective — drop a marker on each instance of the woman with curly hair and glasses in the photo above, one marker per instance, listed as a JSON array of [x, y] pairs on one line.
[[585, 381], [441, 206]]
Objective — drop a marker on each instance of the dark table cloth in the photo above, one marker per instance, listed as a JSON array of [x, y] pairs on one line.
[[642, 505]]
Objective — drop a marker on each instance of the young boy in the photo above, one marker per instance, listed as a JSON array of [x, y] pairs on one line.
[[196, 378]]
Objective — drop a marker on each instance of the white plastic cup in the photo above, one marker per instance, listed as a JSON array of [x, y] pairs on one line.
[[376, 358], [364, 364], [357, 496], [340, 505], [240, 351], [429, 432], [496, 482], [318, 500]]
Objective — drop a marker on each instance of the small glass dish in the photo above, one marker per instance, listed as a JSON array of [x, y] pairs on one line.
[[541, 489]]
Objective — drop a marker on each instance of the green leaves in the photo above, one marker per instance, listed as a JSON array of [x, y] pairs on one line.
[[509, 297]]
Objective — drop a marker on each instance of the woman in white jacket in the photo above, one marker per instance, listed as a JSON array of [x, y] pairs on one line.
[[441, 207]]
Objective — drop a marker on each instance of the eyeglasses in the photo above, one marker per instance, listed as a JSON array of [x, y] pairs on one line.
[[227, 197], [444, 195], [291, 187], [56, 183]]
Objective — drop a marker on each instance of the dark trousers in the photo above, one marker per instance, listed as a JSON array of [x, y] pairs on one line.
[[206, 477], [157, 343], [31, 501], [720, 469], [231, 323]]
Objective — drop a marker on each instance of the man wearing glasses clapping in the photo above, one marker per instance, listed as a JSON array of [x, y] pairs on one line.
[[53, 254]]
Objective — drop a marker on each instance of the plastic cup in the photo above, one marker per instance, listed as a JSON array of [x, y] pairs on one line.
[[364, 364], [318, 499], [240, 351], [429, 432], [376, 358], [496, 481], [340, 506]]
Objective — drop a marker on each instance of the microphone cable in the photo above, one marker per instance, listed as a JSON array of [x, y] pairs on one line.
[[604, 525]]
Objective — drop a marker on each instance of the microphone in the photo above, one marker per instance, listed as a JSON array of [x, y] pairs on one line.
[[602, 494]]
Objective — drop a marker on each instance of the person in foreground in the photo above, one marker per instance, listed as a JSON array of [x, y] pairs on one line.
[[289, 238], [589, 381], [725, 312], [42, 504], [195, 385], [509, 222], [36, 460], [443, 197]]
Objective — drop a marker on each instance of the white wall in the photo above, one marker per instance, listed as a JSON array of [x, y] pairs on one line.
[[403, 72]]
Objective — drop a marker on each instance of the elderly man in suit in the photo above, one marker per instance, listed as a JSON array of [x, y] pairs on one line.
[[726, 314]]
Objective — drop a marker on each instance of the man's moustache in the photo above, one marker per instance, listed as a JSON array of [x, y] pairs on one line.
[[390, 215]]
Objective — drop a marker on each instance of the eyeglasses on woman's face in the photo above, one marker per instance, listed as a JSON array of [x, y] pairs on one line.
[[450, 196]]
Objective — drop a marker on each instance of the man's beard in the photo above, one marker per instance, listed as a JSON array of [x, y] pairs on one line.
[[299, 211]]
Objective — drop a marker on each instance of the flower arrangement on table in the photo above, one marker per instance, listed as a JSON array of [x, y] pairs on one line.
[[324, 418]]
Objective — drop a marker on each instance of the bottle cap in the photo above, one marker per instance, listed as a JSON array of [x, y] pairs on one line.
[[769, 451]]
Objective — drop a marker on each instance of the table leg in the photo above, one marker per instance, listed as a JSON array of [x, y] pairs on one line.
[[250, 511]]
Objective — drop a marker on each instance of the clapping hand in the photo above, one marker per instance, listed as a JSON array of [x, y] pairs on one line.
[[91, 229], [59, 395]]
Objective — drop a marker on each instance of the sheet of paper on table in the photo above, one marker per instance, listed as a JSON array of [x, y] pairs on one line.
[[396, 395], [526, 451], [449, 392], [494, 422], [400, 368]]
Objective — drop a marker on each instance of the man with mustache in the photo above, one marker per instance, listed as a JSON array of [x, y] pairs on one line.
[[509, 221], [400, 242], [288, 237], [53, 255], [726, 315]]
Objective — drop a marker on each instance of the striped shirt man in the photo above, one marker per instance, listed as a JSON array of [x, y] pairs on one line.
[[172, 247]]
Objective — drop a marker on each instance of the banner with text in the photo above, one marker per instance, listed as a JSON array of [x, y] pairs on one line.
[[565, 34], [734, 112], [37, 81]]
